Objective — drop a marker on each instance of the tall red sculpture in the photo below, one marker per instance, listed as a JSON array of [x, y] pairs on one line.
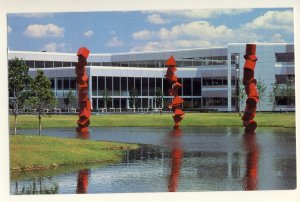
[[83, 89], [177, 101], [250, 87]]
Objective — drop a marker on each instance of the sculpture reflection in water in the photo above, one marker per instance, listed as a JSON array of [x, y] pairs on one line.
[[175, 146], [82, 181], [250, 180]]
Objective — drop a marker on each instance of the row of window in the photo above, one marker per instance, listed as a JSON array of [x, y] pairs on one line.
[[122, 86], [285, 57], [199, 61], [189, 103]]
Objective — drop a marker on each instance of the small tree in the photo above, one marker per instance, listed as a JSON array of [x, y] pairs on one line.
[[133, 97], [290, 91], [18, 81], [41, 96], [106, 98], [159, 97], [277, 92], [71, 99], [241, 96], [261, 88]]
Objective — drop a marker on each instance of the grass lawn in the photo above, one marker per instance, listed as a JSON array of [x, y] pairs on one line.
[[42, 152], [155, 120]]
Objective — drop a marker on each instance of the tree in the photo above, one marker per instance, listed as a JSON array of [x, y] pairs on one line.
[[41, 96], [241, 96], [71, 99], [290, 91], [18, 80], [133, 97], [276, 93], [106, 98], [261, 88], [159, 97]]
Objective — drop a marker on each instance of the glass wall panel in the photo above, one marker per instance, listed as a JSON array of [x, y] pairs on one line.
[[59, 84], [109, 85], [48, 64], [39, 64], [130, 83], [73, 83], [100, 103], [57, 64], [187, 86], [116, 85], [151, 86], [145, 86], [67, 64], [124, 86], [66, 83], [196, 102], [166, 87], [101, 85], [116, 102], [94, 103], [138, 85], [30, 63], [158, 84], [196, 86], [123, 103], [94, 85]]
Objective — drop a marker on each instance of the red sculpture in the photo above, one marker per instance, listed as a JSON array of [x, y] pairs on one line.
[[83, 89], [177, 101], [250, 87]]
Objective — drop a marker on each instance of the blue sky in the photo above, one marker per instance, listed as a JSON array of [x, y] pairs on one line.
[[112, 32]]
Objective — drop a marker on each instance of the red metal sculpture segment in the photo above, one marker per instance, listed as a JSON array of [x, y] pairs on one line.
[[250, 87], [177, 101], [83, 89]]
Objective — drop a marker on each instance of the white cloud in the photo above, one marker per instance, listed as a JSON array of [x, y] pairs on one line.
[[9, 29], [277, 38], [49, 30], [56, 47], [142, 35], [33, 15], [114, 42], [156, 19], [204, 34], [203, 13], [273, 20], [88, 34]]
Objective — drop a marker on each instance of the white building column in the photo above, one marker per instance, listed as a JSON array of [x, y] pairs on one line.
[[229, 94]]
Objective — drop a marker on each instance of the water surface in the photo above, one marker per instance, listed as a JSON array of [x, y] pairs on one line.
[[191, 159]]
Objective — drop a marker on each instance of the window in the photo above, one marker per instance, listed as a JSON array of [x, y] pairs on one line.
[[144, 86], [66, 83], [197, 86], [101, 85], [284, 57], [187, 86], [123, 86], [73, 83], [116, 84], [48, 64], [94, 85], [57, 64], [30, 63], [39, 64], [109, 85]]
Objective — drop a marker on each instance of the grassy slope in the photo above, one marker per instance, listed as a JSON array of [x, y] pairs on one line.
[[40, 152], [191, 119]]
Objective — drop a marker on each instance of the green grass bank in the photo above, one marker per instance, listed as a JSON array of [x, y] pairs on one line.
[[42, 152], [157, 120]]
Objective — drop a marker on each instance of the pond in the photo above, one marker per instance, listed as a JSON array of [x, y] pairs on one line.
[[186, 160]]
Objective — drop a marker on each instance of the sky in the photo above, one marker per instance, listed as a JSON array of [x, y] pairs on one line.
[[135, 31]]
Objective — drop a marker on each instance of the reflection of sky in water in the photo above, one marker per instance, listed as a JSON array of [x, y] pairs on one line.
[[212, 159]]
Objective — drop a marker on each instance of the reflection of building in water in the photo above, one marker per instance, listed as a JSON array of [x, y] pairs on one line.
[[36, 186], [210, 76]]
